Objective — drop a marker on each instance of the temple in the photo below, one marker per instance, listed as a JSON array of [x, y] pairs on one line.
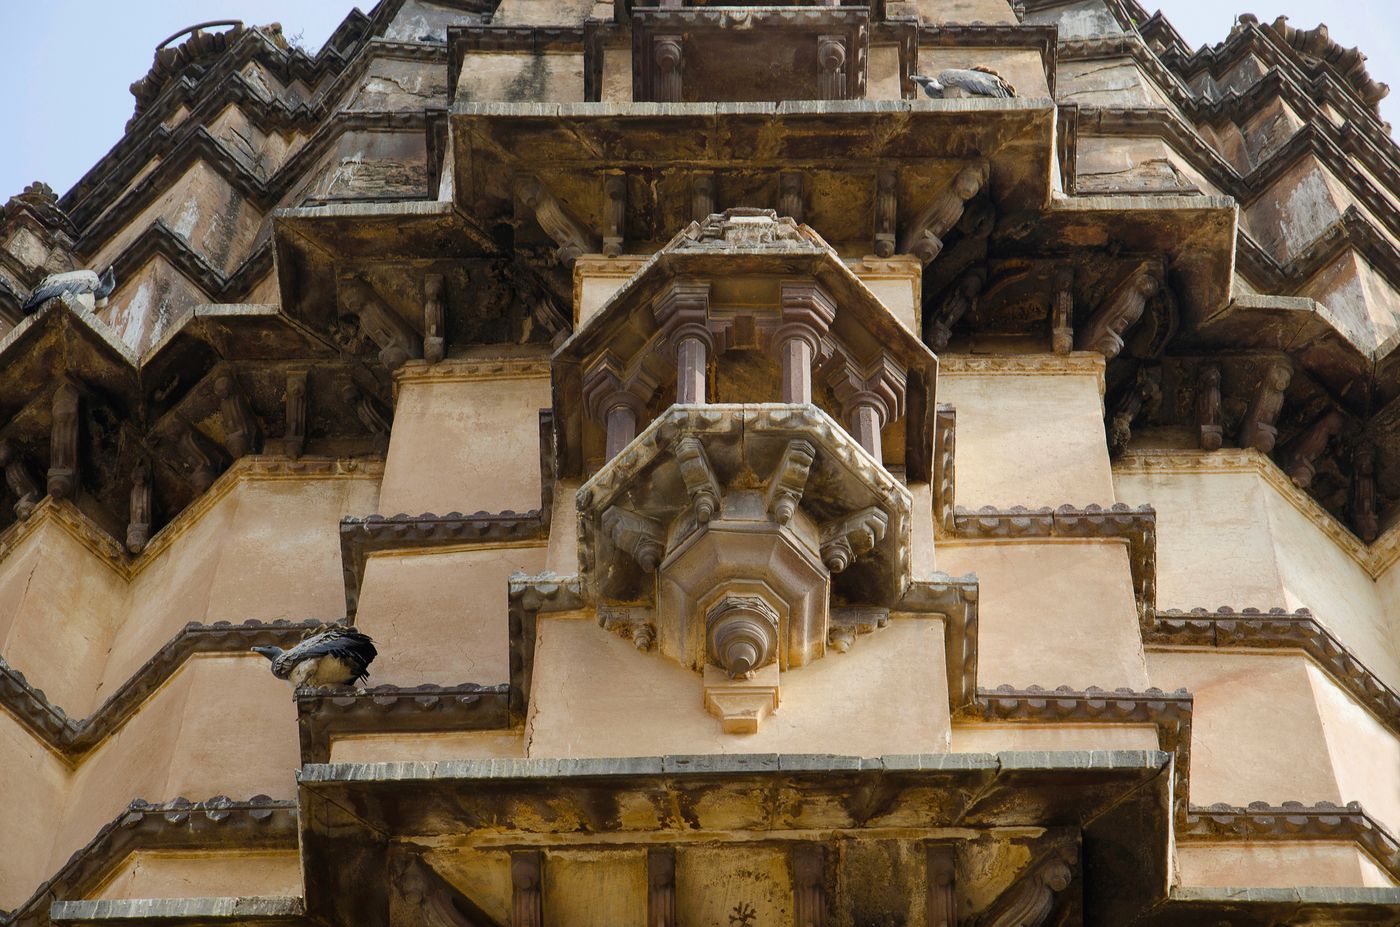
[[778, 496]]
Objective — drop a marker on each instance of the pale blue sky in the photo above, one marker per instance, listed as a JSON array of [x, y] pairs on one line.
[[66, 64]]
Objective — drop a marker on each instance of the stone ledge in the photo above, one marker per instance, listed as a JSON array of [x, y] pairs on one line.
[[186, 912], [323, 715]]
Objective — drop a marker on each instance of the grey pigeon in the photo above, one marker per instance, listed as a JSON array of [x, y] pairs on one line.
[[335, 656], [965, 82], [90, 289]]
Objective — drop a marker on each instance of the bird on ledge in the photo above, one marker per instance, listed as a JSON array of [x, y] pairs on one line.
[[965, 82], [91, 290], [332, 656]]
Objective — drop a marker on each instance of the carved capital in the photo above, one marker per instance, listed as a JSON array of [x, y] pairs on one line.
[[668, 53], [831, 68], [683, 312]]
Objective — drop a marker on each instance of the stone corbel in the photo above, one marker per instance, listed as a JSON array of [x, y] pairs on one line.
[[527, 893], [942, 869], [240, 427], [1062, 314], [294, 435], [631, 623], [396, 339], [846, 624], [63, 443], [956, 304], [789, 480], [25, 489], [434, 318], [614, 213], [138, 528], [568, 234], [791, 201], [682, 313], [741, 666], [886, 213], [661, 887], [924, 237], [1258, 429], [845, 539], [702, 196], [1307, 448], [371, 417], [668, 57], [1121, 311], [637, 536], [809, 903], [699, 477], [433, 901], [201, 466], [831, 68], [1363, 492], [1210, 432], [1031, 900]]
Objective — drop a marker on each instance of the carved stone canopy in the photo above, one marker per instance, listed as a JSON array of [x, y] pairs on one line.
[[745, 306], [774, 505]]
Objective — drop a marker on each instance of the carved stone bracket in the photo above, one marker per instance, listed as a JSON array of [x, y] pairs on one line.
[[294, 435], [22, 485], [944, 468], [785, 488], [924, 236], [958, 302], [661, 887], [1062, 314], [1121, 310], [639, 537], [1031, 900], [849, 623], [633, 623], [63, 443], [699, 477], [396, 339], [567, 232], [434, 318], [846, 539], [886, 213], [240, 427], [527, 888], [831, 68], [1259, 429], [942, 885], [138, 528]]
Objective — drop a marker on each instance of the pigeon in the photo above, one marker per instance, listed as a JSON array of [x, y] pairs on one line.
[[965, 82], [90, 289], [334, 656]]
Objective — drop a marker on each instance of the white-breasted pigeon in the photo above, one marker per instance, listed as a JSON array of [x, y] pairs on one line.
[[965, 82], [334, 656]]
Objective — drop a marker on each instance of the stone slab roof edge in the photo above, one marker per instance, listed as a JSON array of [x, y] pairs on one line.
[[253, 910]]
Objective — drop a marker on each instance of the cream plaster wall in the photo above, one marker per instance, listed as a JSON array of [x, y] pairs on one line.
[[1277, 865], [465, 446], [1027, 438], [996, 738], [31, 800], [1230, 538], [1052, 612], [445, 613], [594, 694], [1364, 753], [164, 874], [427, 748]]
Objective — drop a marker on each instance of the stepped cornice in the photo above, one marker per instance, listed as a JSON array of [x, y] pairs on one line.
[[72, 738]]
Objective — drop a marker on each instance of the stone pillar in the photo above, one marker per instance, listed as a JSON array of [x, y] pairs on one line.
[[807, 314], [615, 400], [865, 420], [682, 314], [622, 428], [871, 396]]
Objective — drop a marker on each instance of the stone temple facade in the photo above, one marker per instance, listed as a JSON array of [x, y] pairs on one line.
[[884, 510]]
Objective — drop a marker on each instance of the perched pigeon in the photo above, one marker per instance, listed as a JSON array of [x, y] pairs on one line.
[[965, 82], [336, 656], [79, 283]]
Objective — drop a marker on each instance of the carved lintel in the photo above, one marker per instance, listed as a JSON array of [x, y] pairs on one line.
[[527, 894], [924, 238], [831, 68], [637, 536], [1121, 311], [791, 201], [1364, 519], [788, 481], [1259, 430], [669, 57], [1210, 431], [240, 427], [661, 887], [396, 339], [942, 886], [201, 465], [886, 212], [294, 436], [63, 443], [699, 477], [1306, 449], [1031, 900], [703, 202], [845, 539], [1062, 315], [138, 527], [846, 624], [809, 884], [614, 213], [22, 485], [434, 318], [959, 301], [568, 234], [944, 467]]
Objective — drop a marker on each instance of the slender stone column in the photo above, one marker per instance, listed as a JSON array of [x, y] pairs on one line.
[[866, 418], [807, 314], [683, 314], [615, 399], [622, 427]]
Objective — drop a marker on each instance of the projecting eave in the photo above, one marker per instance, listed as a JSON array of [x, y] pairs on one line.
[[837, 146], [1195, 234]]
